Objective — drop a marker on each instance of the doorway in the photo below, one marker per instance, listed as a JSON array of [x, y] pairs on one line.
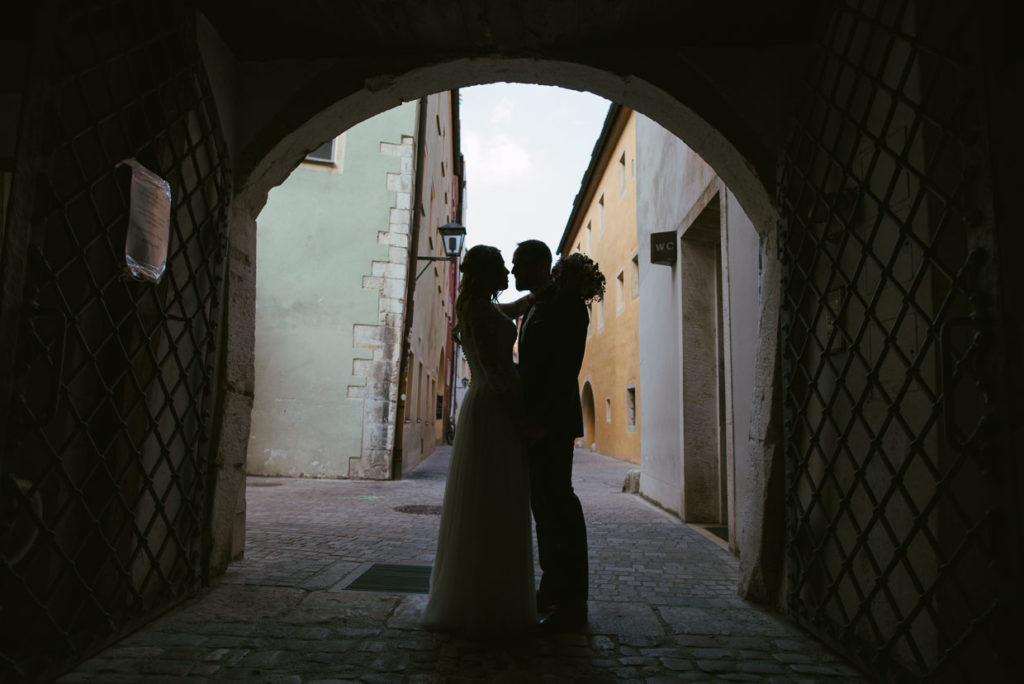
[[704, 466], [589, 423]]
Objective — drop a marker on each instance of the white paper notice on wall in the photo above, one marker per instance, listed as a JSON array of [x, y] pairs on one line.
[[149, 223]]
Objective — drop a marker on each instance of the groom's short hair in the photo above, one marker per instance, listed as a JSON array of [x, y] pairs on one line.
[[534, 251]]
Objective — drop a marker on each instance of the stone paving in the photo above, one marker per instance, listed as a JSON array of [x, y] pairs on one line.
[[663, 603]]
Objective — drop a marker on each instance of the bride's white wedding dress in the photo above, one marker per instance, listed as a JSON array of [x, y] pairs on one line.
[[482, 581]]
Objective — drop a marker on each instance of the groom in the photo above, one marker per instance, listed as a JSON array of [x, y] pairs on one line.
[[551, 342]]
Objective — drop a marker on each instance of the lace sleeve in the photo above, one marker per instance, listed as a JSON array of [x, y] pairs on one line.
[[493, 335]]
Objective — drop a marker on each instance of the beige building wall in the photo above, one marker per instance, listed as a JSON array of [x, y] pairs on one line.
[[604, 228], [426, 367]]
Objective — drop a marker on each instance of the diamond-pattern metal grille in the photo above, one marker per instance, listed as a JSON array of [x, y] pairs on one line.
[[891, 484], [104, 462]]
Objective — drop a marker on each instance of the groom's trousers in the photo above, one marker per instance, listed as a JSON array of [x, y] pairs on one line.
[[561, 531]]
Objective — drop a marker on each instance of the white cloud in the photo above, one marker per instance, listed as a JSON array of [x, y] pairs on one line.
[[502, 111], [495, 159]]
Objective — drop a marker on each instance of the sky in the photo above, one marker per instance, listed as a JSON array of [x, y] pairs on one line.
[[526, 149]]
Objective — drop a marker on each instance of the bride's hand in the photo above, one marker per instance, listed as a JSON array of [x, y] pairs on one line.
[[517, 308]]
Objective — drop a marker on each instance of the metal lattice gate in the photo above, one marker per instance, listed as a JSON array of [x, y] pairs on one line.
[[104, 457], [893, 492]]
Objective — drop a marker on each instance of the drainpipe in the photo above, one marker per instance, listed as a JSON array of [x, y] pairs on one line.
[[410, 288]]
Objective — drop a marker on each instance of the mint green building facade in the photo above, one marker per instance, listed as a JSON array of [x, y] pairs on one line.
[[331, 279]]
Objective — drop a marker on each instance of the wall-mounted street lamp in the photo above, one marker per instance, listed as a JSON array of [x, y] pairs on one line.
[[452, 236]]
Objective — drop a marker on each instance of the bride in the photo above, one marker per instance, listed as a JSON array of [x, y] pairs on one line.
[[482, 581]]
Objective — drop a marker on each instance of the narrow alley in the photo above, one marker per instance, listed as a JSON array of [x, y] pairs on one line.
[[663, 603]]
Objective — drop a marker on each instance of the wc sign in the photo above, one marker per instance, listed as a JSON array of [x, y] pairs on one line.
[[663, 248]]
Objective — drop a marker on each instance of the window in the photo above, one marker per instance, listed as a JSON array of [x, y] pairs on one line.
[[409, 389], [620, 293], [323, 154], [622, 173], [607, 409], [433, 392], [631, 408], [600, 216], [590, 317], [634, 277], [586, 239], [419, 393]]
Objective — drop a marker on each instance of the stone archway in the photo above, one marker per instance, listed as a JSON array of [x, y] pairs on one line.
[[438, 398], [721, 76], [310, 108], [589, 419]]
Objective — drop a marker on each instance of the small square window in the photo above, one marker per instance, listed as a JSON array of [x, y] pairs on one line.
[[620, 293], [323, 154], [631, 408]]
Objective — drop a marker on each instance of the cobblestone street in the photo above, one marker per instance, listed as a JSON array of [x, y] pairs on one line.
[[663, 602]]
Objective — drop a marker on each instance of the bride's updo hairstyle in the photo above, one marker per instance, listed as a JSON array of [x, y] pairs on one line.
[[579, 273], [480, 269]]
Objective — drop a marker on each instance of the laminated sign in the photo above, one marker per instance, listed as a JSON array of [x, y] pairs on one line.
[[149, 223], [663, 248]]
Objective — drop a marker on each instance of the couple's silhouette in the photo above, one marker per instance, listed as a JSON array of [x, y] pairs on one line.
[[513, 450]]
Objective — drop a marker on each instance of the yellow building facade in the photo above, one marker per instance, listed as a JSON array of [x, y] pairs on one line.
[[603, 226]]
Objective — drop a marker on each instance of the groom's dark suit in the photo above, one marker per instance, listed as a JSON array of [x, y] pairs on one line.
[[551, 344]]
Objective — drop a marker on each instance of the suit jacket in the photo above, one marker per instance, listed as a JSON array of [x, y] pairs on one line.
[[551, 345]]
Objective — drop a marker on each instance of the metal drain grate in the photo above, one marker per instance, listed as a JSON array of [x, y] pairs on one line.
[[394, 579], [419, 509]]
